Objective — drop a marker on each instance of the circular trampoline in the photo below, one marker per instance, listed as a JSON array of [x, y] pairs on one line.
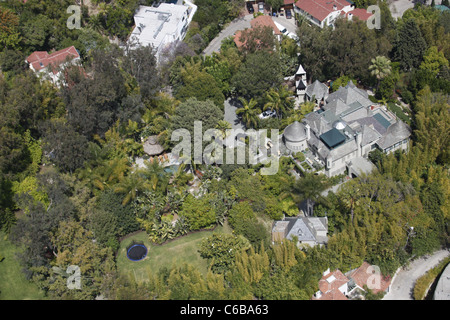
[[136, 251]]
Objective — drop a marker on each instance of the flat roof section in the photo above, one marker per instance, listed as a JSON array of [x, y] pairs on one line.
[[332, 138], [382, 120]]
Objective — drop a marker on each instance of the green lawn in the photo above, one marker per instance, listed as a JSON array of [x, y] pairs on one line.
[[183, 249], [13, 284]]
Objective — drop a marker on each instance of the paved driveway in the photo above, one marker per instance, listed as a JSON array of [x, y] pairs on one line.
[[398, 7], [231, 106], [241, 24], [403, 285], [235, 25], [289, 24]]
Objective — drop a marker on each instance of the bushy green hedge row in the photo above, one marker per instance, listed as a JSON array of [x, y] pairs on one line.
[[424, 282]]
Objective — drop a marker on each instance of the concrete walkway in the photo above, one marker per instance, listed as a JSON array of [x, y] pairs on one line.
[[403, 285]]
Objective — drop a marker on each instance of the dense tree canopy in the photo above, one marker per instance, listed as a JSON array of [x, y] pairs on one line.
[[75, 176]]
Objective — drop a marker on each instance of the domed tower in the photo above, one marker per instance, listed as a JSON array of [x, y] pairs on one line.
[[295, 137]]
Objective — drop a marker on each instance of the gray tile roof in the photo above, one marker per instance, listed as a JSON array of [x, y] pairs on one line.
[[371, 122], [361, 165], [397, 132], [317, 89], [295, 132], [344, 149], [317, 123], [350, 94], [306, 228], [369, 135]]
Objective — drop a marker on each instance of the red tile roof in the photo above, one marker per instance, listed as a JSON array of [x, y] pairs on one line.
[[361, 278], [237, 40], [265, 21], [41, 59], [362, 14], [260, 21], [320, 9], [329, 287]]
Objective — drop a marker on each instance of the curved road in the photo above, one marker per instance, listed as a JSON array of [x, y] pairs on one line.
[[242, 23], [236, 25], [403, 284]]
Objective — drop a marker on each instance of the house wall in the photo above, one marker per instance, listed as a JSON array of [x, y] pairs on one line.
[[321, 233], [330, 19], [50, 76], [278, 236], [344, 289], [304, 243], [403, 145], [339, 166], [296, 146], [308, 16]]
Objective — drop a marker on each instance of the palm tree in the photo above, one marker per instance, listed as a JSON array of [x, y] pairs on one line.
[[280, 100], [249, 112], [310, 188], [349, 195], [95, 22], [181, 178], [106, 174], [156, 175], [380, 68], [222, 127], [131, 186], [298, 114]]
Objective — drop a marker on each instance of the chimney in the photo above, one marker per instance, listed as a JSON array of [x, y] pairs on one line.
[[308, 131]]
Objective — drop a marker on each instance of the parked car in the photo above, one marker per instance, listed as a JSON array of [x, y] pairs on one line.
[[250, 8], [261, 7], [288, 14], [267, 114], [284, 31]]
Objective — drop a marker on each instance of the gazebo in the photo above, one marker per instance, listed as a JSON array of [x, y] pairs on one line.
[[152, 146]]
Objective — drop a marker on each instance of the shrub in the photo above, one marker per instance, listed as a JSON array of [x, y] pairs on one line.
[[299, 156], [424, 282]]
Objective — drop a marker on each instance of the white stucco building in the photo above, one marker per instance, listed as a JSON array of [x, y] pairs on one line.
[[162, 25], [50, 66], [323, 12]]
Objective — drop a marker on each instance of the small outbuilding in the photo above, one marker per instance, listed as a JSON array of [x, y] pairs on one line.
[[152, 146]]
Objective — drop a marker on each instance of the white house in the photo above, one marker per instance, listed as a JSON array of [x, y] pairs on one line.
[[322, 12], [162, 25], [332, 286], [49, 66]]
